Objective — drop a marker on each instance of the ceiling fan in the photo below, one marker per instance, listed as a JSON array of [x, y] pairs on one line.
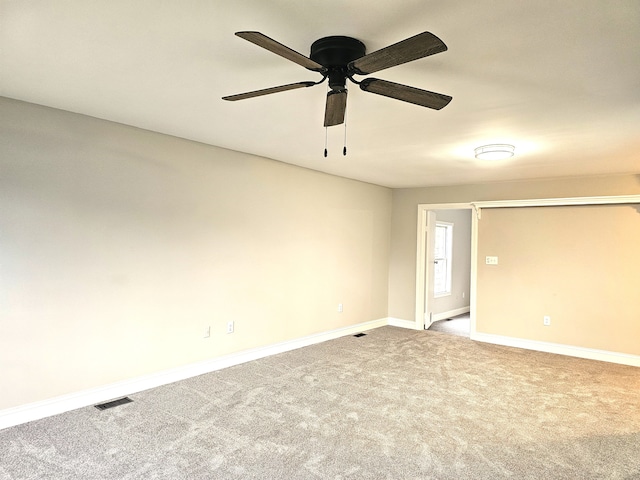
[[338, 58]]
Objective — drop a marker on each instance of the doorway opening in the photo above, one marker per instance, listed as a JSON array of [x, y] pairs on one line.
[[459, 325], [445, 268]]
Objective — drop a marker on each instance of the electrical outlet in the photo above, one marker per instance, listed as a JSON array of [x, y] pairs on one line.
[[230, 326], [340, 309], [207, 332], [547, 320]]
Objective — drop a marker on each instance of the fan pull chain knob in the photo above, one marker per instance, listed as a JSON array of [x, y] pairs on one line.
[[326, 140], [344, 149]]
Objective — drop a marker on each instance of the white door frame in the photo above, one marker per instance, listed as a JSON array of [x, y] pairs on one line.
[[421, 260], [429, 270]]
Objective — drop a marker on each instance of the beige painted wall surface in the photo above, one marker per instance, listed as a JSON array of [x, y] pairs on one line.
[[119, 247], [402, 267], [578, 265]]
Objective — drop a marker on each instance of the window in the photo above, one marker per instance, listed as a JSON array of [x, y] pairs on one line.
[[443, 259]]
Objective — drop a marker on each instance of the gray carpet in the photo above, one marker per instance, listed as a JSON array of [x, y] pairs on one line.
[[394, 404], [460, 325]]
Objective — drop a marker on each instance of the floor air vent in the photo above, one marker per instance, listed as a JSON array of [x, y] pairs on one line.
[[114, 403], [359, 334]]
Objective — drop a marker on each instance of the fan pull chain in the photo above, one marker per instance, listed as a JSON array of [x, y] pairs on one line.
[[344, 149], [326, 133]]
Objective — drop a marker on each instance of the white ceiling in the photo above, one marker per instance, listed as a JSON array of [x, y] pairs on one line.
[[559, 79]]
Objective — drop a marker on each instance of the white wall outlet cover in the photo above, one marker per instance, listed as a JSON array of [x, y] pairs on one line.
[[491, 260]]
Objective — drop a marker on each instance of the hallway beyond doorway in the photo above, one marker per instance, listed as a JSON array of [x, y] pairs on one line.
[[458, 325]]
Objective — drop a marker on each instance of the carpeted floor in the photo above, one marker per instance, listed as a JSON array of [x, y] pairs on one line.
[[459, 325], [394, 404]]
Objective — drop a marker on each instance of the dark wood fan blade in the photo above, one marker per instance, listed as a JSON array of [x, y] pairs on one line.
[[418, 46], [405, 93], [267, 91], [336, 107], [280, 49]]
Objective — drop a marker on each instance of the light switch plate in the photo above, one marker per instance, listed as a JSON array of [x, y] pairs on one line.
[[492, 260]]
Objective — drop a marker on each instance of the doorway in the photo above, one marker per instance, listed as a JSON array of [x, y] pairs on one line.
[[444, 284], [459, 325]]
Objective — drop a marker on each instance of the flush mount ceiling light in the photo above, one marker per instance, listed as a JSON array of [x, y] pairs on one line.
[[496, 151]]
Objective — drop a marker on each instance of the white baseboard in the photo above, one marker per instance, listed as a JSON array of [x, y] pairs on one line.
[[398, 322], [34, 411], [572, 351], [46, 408], [451, 313]]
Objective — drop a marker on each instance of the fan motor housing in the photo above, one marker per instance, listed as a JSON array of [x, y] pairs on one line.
[[335, 53]]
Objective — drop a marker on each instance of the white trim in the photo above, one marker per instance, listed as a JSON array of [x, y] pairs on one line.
[[398, 322], [473, 287], [442, 295], [37, 410], [451, 313], [555, 202], [34, 411], [569, 350], [421, 249]]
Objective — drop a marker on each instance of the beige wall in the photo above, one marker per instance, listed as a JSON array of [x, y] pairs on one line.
[[578, 265], [402, 268], [119, 246]]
